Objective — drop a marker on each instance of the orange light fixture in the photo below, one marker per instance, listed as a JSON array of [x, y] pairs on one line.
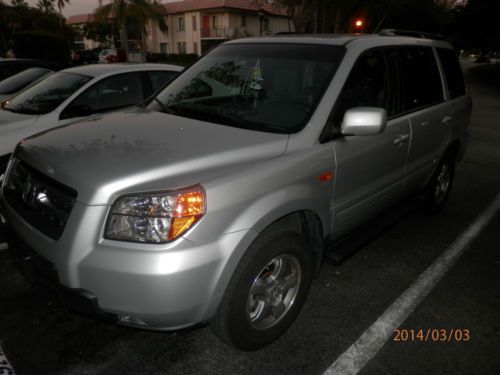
[[190, 207]]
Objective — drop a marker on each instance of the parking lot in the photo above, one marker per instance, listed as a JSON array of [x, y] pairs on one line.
[[39, 337]]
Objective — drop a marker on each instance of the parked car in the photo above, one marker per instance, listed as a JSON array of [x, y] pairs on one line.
[[112, 55], [12, 85], [87, 56], [219, 207], [9, 67], [75, 93]]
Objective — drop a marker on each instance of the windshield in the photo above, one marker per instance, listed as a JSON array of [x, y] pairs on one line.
[[17, 82], [47, 94], [265, 87]]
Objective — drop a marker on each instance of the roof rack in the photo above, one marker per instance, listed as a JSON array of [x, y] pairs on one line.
[[413, 33]]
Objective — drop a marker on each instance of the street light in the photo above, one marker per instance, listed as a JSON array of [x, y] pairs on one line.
[[260, 15], [358, 24]]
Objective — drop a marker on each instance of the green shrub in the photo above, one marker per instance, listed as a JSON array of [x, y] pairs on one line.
[[41, 45]]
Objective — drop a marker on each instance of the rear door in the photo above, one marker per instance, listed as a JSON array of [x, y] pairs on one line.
[[430, 115], [370, 170]]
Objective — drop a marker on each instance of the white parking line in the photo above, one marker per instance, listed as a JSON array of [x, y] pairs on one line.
[[369, 343], [5, 367]]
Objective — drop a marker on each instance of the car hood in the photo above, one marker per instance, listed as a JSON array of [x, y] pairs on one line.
[[10, 120], [134, 151]]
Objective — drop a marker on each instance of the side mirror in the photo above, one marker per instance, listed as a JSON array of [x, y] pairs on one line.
[[364, 121], [77, 110]]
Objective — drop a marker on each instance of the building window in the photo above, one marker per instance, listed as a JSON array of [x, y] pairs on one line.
[[181, 46], [265, 24], [180, 24], [214, 22], [195, 47], [243, 21], [164, 48], [195, 25]]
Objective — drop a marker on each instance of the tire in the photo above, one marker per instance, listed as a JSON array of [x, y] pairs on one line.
[[438, 190], [266, 292]]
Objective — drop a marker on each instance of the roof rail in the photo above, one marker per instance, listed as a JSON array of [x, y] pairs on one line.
[[287, 33], [413, 33]]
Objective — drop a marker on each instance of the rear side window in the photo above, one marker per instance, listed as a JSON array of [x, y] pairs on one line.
[[420, 77], [452, 72]]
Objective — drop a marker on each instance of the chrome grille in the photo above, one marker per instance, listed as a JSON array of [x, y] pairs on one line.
[[42, 201]]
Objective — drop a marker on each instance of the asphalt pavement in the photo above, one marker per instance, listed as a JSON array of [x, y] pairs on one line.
[[39, 337]]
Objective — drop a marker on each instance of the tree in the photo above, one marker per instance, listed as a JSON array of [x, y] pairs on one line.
[[19, 3], [101, 31], [478, 25], [126, 11], [46, 6], [22, 17], [41, 45], [61, 4]]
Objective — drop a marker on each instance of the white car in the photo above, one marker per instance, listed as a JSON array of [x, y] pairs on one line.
[[12, 85], [75, 93]]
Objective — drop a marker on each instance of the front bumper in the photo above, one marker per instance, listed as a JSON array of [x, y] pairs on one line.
[[159, 287], [38, 270]]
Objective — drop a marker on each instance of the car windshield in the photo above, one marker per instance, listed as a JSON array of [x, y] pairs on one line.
[[17, 82], [264, 87], [46, 95]]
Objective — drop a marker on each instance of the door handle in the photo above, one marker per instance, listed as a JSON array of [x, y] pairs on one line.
[[446, 120], [400, 139]]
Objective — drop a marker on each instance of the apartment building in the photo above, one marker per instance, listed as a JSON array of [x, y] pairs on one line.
[[195, 26]]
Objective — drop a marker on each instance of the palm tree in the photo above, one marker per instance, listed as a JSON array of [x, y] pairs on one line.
[[46, 6], [19, 3], [61, 4], [123, 10]]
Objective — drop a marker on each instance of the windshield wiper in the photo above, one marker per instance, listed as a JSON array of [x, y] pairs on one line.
[[164, 107]]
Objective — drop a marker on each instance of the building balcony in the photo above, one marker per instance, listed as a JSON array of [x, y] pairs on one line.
[[220, 33]]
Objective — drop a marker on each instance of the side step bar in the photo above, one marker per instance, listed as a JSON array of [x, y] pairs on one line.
[[337, 252]]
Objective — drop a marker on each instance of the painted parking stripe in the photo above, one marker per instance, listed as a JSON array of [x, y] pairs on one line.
[[369, 343], [5, 367]]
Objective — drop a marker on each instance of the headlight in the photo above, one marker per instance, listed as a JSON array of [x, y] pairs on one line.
[[155, 217]]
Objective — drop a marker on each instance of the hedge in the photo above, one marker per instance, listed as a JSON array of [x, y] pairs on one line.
[[183, 60], [41, 45]]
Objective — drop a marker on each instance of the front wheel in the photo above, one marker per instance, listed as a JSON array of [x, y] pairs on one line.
[[266, 292]]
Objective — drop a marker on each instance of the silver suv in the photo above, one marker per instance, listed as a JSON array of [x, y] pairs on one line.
[[216, 201]]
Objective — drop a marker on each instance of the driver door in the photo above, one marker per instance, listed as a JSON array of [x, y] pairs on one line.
[[370, 170]]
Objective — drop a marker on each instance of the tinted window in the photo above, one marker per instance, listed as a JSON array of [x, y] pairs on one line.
[[160, 78], [371, 83], [20, 80], [265, 87], [111, 93], [452, 72], [46, 95], [420, 78]]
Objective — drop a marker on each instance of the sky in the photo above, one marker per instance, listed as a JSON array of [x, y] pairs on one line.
[[80, 6]]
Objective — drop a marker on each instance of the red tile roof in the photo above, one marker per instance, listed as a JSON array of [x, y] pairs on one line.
[[246, 5], [80, 18], [196, 5]]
